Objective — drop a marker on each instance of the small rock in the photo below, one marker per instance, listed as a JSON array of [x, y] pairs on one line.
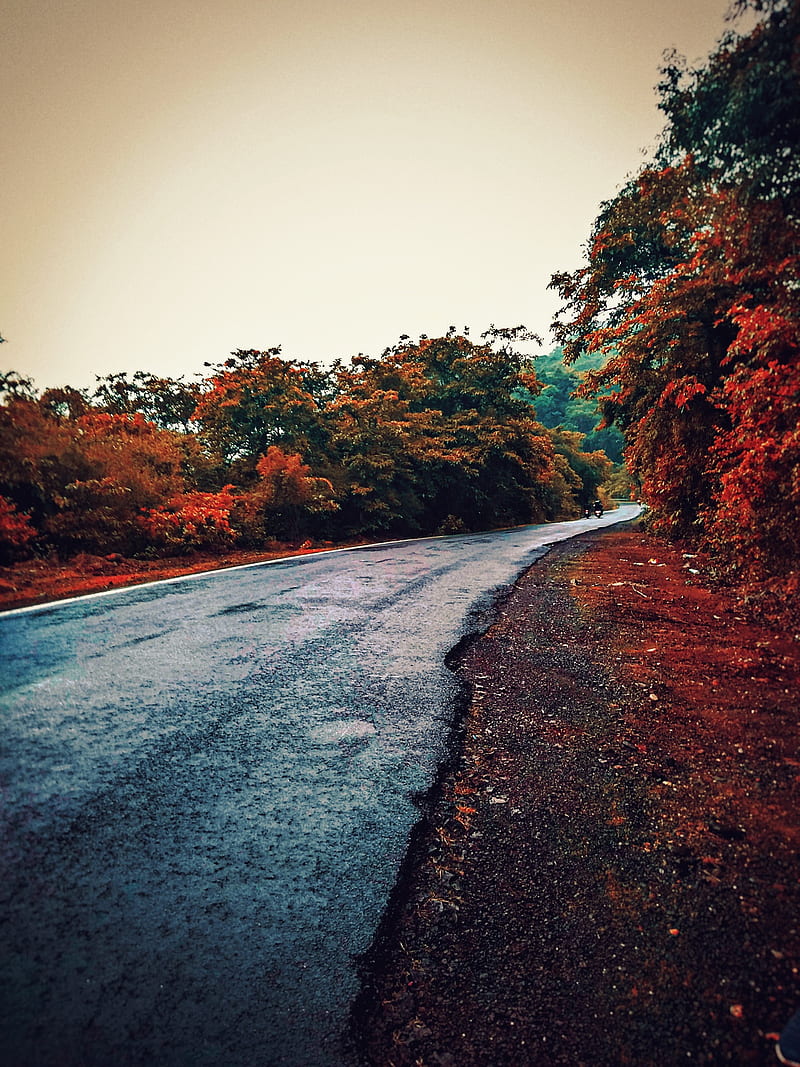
[[728, 830]]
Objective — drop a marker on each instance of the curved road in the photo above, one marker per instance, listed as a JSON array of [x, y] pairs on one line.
[[208, 785]]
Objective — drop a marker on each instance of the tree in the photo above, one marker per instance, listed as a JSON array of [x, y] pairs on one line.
[[14, 386], [285, 501], [442, 433], [386, 454], [15, 531], [255, 399], [750, 518], [588, 471], [65, 402], [169, 403], [129, 465], [39, 455], [662, 323], [189, 521], [559, 407], [690, 291], [738, 115]]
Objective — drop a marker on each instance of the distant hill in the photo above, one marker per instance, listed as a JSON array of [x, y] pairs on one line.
[[555, 405]]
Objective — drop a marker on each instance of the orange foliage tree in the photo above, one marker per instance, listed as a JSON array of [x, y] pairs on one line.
[[130, 465], [83, 476], [193, 520], [16, 531], [285, 501], [438, 434], [40, 454], [691, 289], [255, 399], [442, 433]]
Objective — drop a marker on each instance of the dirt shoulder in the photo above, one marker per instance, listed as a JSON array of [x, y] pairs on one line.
[[609, 873], [39, 581]]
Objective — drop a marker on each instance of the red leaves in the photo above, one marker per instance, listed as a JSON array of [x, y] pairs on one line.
[[190, 520], [680, 391], [15, 530], [704, 343]]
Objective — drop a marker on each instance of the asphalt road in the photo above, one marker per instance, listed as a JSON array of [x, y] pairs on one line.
[[208, 786]]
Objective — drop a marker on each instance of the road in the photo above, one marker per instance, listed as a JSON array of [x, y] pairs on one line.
[[208, 786]]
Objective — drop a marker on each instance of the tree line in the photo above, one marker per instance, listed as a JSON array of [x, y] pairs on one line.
[[437, 435], [690, 300], [683, 325]]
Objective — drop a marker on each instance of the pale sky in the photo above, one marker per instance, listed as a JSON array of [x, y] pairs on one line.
[[181, 178]]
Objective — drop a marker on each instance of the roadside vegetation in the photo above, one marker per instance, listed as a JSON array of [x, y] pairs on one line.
[[438, 435], [690, 296]]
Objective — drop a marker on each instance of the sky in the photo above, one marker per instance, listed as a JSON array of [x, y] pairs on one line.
[[183, 178]]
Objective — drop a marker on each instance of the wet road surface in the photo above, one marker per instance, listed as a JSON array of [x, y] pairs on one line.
[[207, 789]]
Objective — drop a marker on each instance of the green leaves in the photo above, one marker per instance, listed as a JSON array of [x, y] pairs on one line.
[[739, 114], [257, 399]]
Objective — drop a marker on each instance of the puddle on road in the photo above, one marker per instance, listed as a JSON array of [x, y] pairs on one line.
[[331, 733]]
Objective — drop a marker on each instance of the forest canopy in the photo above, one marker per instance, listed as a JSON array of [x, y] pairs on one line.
[[437, 435]]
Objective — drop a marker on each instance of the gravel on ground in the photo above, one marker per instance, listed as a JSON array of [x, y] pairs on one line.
[[607, 872]]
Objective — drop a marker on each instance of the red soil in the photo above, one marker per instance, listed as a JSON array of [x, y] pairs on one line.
[[41, 580], [609, 874]]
